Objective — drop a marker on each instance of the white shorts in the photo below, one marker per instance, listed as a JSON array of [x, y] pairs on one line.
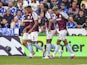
[[32, 36], [49, 35], [62, 34]]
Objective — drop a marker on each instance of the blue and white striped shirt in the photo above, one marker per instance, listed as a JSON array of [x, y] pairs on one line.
[[2, 10]]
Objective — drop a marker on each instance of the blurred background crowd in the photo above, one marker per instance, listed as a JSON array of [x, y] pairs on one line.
[[12, 11]]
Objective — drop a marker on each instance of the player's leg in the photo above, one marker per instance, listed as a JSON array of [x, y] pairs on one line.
[[48, 40], [69, 48], [52, 45], [35, 39], [64, 32], [58, 44], [29, 46], [25, 39], [49, 46], [57, 48], [26, 42]]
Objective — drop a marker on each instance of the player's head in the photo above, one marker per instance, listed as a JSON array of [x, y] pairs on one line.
[[29, 8], [25, 10], [55, 10], [50, 11]]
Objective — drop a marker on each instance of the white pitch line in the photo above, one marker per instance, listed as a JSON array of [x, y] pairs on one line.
[[81, 64]]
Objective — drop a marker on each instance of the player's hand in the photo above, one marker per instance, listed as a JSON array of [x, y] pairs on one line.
[[79, 26], [49, 30], [24, 31], [29, 31]]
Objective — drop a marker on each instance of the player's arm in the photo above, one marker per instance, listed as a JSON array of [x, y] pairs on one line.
[[51, 20], [36, 23], [70, 19], [24, 30], [24, 21]]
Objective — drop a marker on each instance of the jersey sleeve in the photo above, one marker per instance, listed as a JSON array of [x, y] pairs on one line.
[[64, 15], [54, 16], [35, 16], [48, 16]]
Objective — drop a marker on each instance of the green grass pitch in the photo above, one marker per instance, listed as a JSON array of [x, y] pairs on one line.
[[23, 60]]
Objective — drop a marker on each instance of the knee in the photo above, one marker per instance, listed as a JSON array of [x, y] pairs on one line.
[[58, 42], [24, 42], [65, 42], [48, 40]]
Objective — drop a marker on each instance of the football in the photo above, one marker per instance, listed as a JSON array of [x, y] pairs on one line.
[[8, 48]]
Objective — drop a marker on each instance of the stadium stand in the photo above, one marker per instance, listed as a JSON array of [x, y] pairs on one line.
[[12, 12]]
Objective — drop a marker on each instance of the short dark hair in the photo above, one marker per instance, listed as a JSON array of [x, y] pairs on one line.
[[29, 7], [83, 5], [45, 6]]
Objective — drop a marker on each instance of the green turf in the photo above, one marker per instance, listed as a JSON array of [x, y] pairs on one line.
[[21, 60]]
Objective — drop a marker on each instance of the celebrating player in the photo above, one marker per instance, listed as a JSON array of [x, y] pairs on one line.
[[50, 30], [31, 30], [61, 19]]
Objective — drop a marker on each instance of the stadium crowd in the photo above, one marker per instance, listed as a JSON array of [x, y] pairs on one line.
[[12, 12]]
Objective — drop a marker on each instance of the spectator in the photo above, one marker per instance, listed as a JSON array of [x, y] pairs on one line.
[[8, 16], [83, 8], [2, 9], [85, 24], [74, 9], [62, 7], [4, 24], [26, 3], [40, 0], [48, 3], [41, 8], [78, 4], [80, 19], [5, 2], [65, 2], [34, 4], [70, 24], [84, 2], [54, 3], [12, 8], [42, 18], [69, 4], [20, 5], [0, 20], [15, 23], [19, 15]]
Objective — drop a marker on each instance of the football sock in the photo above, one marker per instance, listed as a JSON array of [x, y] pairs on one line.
[[52, 46], [30, 48], [69, 48], [37, 46], [48, 48], [56, 49]]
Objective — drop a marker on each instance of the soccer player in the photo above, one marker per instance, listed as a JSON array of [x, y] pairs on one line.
[[50, 30], [30, 35], [61, 19]]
